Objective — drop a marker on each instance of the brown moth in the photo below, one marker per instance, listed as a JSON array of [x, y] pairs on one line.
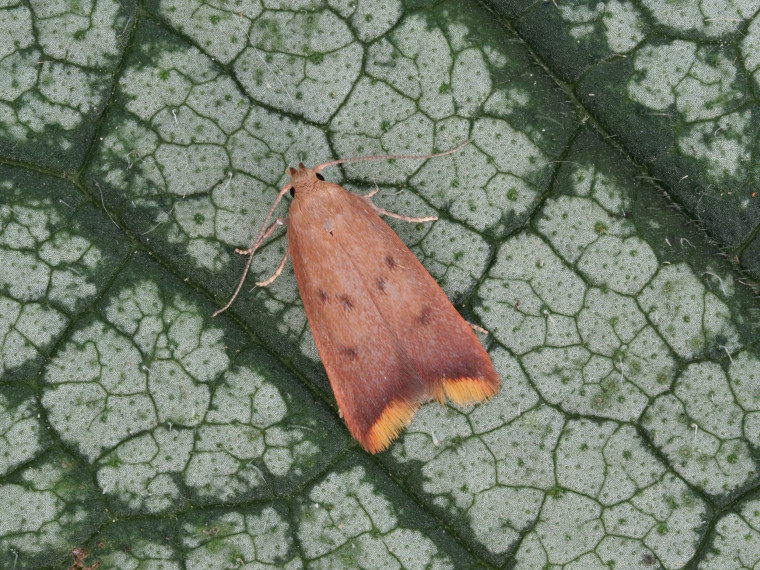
[[388, 336]]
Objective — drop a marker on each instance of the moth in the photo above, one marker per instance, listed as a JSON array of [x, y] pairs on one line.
[[387, 334]]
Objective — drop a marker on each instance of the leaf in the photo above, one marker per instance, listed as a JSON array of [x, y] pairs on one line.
[[602, 226]]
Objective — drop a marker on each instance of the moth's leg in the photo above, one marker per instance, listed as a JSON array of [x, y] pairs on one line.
[[249, 252], [276, 273], [383, 212], [270, 230], [477, 328]]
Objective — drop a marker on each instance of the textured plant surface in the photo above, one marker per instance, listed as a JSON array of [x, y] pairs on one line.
[[602, 225]]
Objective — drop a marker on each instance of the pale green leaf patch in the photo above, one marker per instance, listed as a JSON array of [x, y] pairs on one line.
[[53, 264], [735, 539], [21, 431], [346, 520], [286, 71], [47, 508], [56, 65], [227, 538]]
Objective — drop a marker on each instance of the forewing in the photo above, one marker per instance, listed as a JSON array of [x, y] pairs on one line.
[[443, 347], [375, 384], [387, 334]]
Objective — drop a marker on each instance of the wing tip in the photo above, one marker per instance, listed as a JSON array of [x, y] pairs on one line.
[[393, 419], [467, 390], [399, 413]]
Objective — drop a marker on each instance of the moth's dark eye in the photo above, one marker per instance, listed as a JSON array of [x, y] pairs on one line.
[[292, 191], [320, 176]]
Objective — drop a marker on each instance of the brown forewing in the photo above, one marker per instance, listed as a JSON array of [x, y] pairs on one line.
[[387, 334]]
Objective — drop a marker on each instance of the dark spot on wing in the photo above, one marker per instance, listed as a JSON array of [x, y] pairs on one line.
[[323, 296], [425, 316], [346, 301], [380, 282], [390, 262], [348, 352]]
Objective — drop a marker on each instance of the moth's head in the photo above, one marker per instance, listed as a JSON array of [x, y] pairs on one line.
[[303, 179]]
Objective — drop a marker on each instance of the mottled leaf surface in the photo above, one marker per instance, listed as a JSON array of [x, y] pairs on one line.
[[602, 225]]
